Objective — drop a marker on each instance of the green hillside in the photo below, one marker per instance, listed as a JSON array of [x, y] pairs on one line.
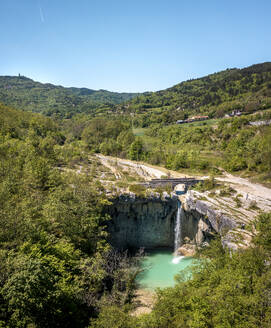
[[23, 93], [56, 263], [247, 90]]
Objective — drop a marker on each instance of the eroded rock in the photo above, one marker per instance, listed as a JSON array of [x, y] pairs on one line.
[[187, 250], [142, 222]]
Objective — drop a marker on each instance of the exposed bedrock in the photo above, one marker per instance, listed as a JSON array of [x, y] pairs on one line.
[[149, 222], [142, 222], [201, 220]]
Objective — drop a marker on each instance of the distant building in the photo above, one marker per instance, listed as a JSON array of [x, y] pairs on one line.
[[235, 112], [199, 118], [181, 121], [193, 119]]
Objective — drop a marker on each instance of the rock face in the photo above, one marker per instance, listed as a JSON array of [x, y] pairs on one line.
[[142, 222], [149, 222], [187, 250], [201, 220]]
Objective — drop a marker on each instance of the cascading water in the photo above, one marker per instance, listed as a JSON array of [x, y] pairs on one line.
[[177, 230], [177, 234]]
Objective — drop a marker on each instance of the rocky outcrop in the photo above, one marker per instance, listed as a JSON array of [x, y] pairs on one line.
[[200, 218], [142, 222], [187, 250], [260, 123], [149, 221], [204, 216], [236, 239]]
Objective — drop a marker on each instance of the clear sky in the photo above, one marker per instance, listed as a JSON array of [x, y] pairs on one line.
[[125, 45]]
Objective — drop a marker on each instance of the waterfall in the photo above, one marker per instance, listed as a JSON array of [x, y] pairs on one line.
[[177, 234], [178, 227]]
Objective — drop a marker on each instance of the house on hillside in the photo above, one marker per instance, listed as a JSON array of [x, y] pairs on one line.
[[193, 119], [235, 112], [181, 121], [199, 118]]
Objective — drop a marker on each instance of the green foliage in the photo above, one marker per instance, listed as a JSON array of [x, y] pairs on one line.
[[21, 92], [110, 137], [215, 95], [227, 191], [225, 290], [136, 150], [263, 238], [139, 190], [238, 202], [207, 184], [113, 317], [57, 267]]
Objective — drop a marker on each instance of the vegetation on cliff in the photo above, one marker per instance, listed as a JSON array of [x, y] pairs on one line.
[[225, 290], [57, 268]]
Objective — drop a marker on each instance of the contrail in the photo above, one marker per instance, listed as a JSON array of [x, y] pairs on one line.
[[41, 14]]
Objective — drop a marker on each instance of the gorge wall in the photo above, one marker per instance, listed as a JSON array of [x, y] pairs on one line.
[[150, 222], [142, 222]]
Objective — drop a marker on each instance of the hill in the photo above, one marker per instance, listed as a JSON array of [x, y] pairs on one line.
[[246, 90], [23, 93]]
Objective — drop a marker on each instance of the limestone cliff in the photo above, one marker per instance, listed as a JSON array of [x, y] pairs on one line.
[[149, 221], [142, 222], [203, 216]]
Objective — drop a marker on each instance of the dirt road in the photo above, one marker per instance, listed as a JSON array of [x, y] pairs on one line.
[[145, 171]]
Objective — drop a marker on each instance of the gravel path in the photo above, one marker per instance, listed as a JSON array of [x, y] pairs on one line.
[[143, 170], [148, 172], [246, 186]]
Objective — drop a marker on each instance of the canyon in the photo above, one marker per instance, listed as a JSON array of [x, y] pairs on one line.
[[149, 221]]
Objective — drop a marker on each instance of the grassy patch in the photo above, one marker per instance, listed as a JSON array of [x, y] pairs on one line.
[[139, 190], [208, 184], [139, 132]]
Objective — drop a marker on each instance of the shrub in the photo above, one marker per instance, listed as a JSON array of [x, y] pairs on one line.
[[138, 189], [207, 184]]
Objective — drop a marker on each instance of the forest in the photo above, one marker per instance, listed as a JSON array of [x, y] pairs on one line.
[[21, 92], [58, 268], [247, 90]]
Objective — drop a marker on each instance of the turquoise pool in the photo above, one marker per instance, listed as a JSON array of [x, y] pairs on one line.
[[160, 267]]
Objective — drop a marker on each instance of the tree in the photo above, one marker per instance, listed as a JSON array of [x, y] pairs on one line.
[[136, 150]]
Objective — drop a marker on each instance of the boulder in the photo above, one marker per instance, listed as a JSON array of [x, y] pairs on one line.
[[187, 250]]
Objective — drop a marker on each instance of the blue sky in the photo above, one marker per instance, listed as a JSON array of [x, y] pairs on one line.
[[125, 45]]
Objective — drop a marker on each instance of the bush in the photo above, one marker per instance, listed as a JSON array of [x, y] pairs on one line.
[[227, 191], [207, 184], [138, 189]]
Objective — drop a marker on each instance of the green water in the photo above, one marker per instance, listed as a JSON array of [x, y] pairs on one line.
[[160, 269]]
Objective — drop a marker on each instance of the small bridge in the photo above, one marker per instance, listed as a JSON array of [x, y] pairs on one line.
[[173, 182]]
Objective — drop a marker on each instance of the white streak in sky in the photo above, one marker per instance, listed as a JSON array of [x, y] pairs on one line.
[[41, 14]]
